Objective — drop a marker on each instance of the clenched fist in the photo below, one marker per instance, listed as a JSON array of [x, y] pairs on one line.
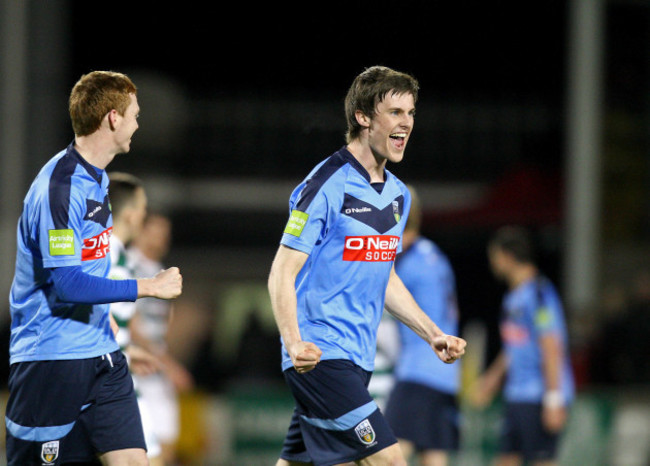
[[167, 284]]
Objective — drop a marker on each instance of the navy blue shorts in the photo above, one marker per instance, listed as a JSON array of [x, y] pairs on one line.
[[426, 417], [523, 433], [335, 419], [71, 410]]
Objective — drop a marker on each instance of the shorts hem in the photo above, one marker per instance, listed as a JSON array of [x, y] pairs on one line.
[[364, 454], [116, 447]]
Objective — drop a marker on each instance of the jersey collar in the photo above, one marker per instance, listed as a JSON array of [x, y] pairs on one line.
[[347, 155], [91, 169]]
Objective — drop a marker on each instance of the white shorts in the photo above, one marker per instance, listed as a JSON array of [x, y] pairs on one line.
[[153, 445], [160, 395]]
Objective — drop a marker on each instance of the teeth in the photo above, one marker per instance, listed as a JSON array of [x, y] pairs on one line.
[[398, 135]]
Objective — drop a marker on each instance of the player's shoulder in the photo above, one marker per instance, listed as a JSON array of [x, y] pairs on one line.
[[399, 183], [337, 163], [326, 177]]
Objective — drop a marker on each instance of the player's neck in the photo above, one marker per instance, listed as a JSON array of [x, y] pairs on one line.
[[374, 166], [521, 275], [92, 149]]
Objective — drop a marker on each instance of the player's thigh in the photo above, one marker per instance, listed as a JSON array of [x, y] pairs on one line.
[[43, 412], [336, 418], [283, 462], [428, 418], [433, 458], [508, 459], [407, 447], [113, 421], [389, 456], [126, 457]]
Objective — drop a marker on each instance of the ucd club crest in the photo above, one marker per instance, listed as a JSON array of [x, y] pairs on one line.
[[365, 432], [50, 452], [396, 211]]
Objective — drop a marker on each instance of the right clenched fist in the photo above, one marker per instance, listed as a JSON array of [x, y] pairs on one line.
[[166, 284]]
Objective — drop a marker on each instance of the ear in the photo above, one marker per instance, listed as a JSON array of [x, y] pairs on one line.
[[112, 119], [362, 119]]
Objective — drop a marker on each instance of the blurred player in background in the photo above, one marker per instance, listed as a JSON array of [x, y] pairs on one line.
[[149, 329], [534, 361], [129, 207], [71, 394], [422, 409], [383, 377], [333, 273]]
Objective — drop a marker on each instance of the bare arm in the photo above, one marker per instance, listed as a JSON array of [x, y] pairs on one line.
[[282, 289], [554, 413], [401, 304], [490, 382]]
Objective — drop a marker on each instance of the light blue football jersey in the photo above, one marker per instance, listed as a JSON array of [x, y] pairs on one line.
[[428, 275], [352, 232], [530, 311], [66, 221]]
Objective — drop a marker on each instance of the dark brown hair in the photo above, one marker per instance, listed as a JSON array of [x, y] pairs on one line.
[[369, 88]]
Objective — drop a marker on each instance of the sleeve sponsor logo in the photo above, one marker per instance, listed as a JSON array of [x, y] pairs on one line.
[[97, 247], [373, 248], [543, 318], [61, 242], [296, 223]]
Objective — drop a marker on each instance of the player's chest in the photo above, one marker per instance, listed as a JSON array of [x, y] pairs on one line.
[[96, 228], [369, 229]]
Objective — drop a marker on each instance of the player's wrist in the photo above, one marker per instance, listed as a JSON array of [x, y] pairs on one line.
[[553, 399], [145, 287]]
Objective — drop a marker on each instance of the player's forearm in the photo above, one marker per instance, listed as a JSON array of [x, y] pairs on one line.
[[497, 370], [284, 304], [551, 362], [401, 304]]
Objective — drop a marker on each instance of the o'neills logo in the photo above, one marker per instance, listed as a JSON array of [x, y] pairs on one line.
[[513, 333], [97, 247], [376, 248]]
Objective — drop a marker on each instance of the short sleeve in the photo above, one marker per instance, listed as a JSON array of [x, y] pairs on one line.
[[545, 320], [308, 222], [60, 242]]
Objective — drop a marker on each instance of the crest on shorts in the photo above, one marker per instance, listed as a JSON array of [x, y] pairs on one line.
[[365, 432], [50, 451]]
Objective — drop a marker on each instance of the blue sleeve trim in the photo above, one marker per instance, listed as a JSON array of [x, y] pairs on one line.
[[72, 285]]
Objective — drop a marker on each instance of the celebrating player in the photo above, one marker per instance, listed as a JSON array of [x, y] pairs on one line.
[[539, 386], [71, 395], [333, 273], [422, 408]]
